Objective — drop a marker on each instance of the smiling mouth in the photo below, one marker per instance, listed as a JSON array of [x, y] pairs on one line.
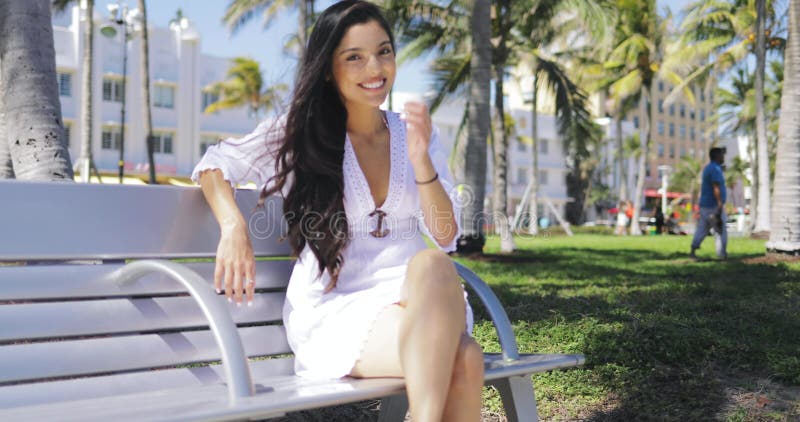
[[374, 85]]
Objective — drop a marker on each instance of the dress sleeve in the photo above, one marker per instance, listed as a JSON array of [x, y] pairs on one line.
[[247, 159], [439, 158]]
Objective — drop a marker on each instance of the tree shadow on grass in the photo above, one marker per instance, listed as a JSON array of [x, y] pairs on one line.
[[659, 338]]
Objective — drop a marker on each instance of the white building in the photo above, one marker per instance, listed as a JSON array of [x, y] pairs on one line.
[[552, 162], [179, 72]]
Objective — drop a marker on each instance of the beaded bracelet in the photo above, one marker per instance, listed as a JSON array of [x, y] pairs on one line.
[[435, 178]]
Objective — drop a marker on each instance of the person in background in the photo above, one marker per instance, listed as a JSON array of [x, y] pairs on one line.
[[622, 219], [712, 205]]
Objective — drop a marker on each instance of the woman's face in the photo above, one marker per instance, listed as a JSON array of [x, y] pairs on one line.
[[364, 65]]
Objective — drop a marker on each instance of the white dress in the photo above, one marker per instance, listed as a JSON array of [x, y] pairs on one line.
[[327, 331]]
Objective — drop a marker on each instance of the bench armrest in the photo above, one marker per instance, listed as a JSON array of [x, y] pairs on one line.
[[234, 360], [499, 318]]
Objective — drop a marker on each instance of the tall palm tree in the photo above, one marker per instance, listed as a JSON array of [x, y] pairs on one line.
[[6, 166], [147, 119], [725, 33], [33, 131], [239, 12], [85, 161], [785, 236], [245, 87], [639, 57]]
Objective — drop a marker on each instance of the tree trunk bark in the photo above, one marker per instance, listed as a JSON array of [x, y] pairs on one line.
[[473, 237], [33, 125], [6, 169], [785, 232], [644, 140], [87, 94], [533, 227], [622, 177], [763, 217], [302, 24], [500, 179], [147, 120]]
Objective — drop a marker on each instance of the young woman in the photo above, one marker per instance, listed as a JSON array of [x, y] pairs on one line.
[[366, 298]]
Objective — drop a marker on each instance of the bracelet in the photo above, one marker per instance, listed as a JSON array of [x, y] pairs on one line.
[[435, 178]]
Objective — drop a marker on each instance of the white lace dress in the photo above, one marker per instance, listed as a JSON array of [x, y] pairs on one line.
[[327, 331]]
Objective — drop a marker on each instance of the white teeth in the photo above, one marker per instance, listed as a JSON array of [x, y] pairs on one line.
[[374, 85]]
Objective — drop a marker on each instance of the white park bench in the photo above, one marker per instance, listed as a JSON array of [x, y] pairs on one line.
[[108, 312]]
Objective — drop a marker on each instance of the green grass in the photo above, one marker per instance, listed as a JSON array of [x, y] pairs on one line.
[[665, 337]]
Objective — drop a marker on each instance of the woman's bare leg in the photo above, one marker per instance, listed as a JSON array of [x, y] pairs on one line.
[[427, 329], [464, 397]]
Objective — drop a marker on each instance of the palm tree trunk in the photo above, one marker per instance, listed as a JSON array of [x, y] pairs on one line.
[[500, 180], [622, 177], [762, 222], [473, 237], [147, 121], [32, 113], [644, 139], [533, 227], [785, 233], [302, 24], [6, 169], [87, 94]]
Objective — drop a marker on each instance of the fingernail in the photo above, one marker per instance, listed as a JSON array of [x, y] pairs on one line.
[[230, 300], [218, 291], [403, 115], [250, 304]]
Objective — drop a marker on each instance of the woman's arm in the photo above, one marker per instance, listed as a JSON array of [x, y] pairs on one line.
[[235, 263], [437, 208]]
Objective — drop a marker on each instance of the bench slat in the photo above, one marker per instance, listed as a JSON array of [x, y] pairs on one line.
[[117, 316], [45, 282], [276, 394], [76, 232], [106, 386], [21, 362]]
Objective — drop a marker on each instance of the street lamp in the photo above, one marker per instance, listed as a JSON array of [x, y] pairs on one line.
[[120, 15]]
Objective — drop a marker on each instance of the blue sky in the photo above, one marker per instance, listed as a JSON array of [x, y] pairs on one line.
[[266, 45]]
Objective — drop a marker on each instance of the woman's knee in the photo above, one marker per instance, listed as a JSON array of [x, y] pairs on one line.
[[433, 271], [468, 368]]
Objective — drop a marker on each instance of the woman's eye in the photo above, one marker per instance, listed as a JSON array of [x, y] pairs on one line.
[[354, 57], [386, 51]]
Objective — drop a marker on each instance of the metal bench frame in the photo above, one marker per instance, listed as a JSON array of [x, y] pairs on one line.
[[122, 237]]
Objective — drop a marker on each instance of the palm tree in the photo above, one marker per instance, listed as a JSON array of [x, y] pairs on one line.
[[6, 166], [785, 236], [147, 121], [33, 132], [639, 57], [725, 33], [239, 12], [86, 159], [245, 87]]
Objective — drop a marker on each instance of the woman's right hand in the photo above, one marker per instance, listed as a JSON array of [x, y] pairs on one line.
[[234, 271]]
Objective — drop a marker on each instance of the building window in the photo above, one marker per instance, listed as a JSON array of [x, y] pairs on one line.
[[543, 146], [683, 151], [164, 96], [112, 90], [702, 95], [660, 150], [111, 138], [672, 151], [636, 122], [660, 86], [692, 133], [672, 109], [162, 142], [520, 146], [522, 175], [64, 84], [682, 131], [702, 115], [672, 129], [208, 99], [682, 110], [661, 106], [691, 113], [660, 128], [542, 177], [205, 142]]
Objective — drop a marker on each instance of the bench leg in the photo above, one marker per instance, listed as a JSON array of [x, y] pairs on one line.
[[518, 397], [394, 408]]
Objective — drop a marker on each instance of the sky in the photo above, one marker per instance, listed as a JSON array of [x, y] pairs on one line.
[[266, 45]]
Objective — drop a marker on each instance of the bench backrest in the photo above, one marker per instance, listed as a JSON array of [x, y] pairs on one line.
[[63, 316]]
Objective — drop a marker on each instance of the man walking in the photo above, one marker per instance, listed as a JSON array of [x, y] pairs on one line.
[[712, 205]]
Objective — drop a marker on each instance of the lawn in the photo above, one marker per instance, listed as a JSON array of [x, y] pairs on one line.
[[665, 337]]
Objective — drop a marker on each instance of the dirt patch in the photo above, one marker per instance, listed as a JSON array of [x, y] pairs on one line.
[[766, 400], [772, 258]]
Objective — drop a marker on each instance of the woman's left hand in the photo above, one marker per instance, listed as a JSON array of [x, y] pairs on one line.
[[418, 132]]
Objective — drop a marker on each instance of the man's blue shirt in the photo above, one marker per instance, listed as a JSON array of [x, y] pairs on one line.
[[712, 173]]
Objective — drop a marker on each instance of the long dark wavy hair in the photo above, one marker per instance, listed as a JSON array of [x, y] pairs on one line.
[[311, 155]]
